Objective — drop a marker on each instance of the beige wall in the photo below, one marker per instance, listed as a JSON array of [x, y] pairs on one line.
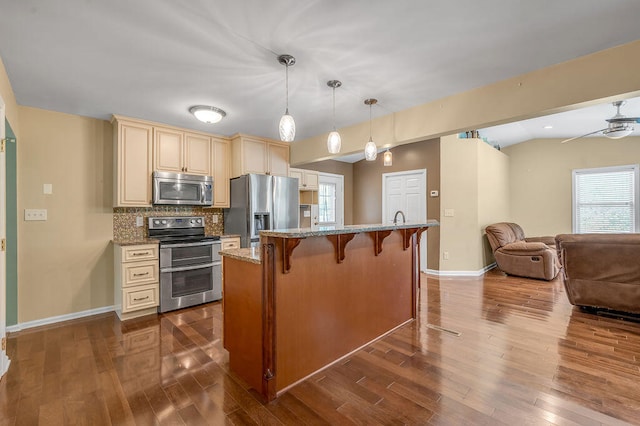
[[583, 81], [338, 168], [540, 177], [367, 187], [11, 107], [493, 192], [65, 264], [470, 170]]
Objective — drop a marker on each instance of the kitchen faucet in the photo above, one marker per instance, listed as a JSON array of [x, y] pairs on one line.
[[395, 218]]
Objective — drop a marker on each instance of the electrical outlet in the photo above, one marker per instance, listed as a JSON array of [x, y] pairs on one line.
[[215, 218], [445, 255], [35, 214], [139, 221]]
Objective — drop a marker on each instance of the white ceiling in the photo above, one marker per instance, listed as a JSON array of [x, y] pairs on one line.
[[153, 59], [563, 125]]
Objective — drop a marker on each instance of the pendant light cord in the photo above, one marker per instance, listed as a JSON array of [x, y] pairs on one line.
[[370, 139], [334, 108], [286, 72]]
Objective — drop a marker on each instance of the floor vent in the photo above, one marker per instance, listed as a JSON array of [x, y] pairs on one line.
[[445, 330]]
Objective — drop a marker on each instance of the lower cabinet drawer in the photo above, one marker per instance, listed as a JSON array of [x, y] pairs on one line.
[[140, 297], [136, 273], [226, 245]]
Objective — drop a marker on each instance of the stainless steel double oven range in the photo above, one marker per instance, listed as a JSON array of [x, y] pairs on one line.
[[190, 266]]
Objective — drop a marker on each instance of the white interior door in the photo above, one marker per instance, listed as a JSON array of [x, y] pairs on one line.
[[406, 192], [4, 360], [330, 199]]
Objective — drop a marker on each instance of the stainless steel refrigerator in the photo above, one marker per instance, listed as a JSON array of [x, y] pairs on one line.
[[261, 202]]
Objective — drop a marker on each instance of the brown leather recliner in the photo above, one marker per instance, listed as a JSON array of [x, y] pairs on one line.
[[601, 270], [525, 257]]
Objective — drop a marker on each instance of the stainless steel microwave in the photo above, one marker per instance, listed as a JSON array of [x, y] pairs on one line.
[[182, 189]]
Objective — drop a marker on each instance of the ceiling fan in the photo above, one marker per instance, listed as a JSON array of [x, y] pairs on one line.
[[619, 125]]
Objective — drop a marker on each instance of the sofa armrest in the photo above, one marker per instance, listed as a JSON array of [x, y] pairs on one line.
[[523, 248], [550, 241]]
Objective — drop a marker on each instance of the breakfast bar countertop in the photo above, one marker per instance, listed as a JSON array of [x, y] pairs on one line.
[[318, 231]]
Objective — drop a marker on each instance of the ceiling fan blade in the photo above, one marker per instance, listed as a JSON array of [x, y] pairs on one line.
[[624, 120], [582, 136]]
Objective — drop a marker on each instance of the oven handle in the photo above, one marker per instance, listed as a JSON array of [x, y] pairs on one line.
[[190, 268], [178, 245]]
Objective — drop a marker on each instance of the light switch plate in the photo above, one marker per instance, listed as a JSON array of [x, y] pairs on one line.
[[139, 221], [47, 188], [35, 214], [448, 212]]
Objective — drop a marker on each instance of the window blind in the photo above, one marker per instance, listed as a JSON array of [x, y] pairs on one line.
[[605, 200]]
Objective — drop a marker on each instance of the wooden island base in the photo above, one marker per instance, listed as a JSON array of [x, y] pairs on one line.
[[314, 299]]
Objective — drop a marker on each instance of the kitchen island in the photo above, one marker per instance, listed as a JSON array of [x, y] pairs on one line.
[[311, 296]]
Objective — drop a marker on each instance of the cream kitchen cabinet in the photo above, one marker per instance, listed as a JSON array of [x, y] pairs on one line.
[[181, 152], [228, 243], [257, 155], [136, 275], [133, 160], [221, 161], [307, 179]]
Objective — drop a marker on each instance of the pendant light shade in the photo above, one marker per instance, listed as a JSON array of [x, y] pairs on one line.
[[370, 149], [334, 141], [388, 158], [287, 125]]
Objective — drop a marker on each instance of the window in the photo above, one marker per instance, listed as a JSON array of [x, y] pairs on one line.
[[605, 200], [327, 202]]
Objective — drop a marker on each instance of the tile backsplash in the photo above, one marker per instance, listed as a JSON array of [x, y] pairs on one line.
[[124, 220]]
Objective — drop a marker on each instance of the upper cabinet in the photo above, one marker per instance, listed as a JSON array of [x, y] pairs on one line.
[[221, 160], [133, 159], [258, 155], [307, 179], [181, 152]]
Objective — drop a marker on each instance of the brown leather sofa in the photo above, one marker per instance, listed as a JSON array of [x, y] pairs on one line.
[[601, 270], [525, 257]]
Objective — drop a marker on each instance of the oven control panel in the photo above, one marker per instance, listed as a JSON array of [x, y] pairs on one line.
[[176, 222]]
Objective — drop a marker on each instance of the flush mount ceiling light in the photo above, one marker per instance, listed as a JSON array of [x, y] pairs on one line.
[[207, 114], [370, 149], [287, 125], [334, 142]]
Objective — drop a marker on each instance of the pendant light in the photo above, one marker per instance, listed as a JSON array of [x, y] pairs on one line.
[[370, 149], [287, 125], [334, 142], [388, 158]]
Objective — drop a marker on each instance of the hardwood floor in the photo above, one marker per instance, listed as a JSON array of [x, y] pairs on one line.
[[523, 356]]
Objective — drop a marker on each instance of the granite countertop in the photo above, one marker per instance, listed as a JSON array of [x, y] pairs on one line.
[[230, 236], [318, 231], [136, 242], [251, 254]]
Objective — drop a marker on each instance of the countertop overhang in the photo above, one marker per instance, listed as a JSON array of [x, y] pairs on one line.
[[318, 231], [253, 254]]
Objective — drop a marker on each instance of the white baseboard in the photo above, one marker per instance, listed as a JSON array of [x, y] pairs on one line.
[[477, 273], [59, 318]]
